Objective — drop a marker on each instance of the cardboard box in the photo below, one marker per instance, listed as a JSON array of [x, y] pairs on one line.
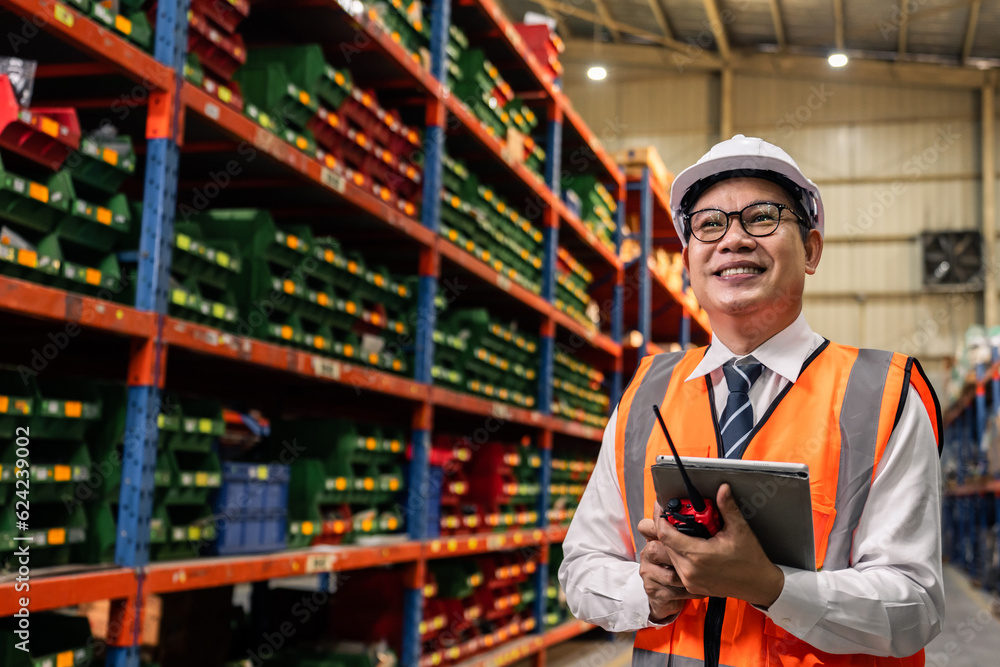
[[646, 156]]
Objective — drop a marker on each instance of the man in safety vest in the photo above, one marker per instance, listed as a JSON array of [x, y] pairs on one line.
[[767, 388]]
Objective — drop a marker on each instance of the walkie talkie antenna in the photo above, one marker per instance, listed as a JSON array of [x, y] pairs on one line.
[[697, 502]]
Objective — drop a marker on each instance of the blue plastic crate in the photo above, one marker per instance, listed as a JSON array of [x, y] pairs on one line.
[[253, 488], [250, 535]]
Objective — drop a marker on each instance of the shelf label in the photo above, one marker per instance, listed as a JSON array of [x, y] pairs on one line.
[[123, 24], [503, 282], [212, 110], [320, 563], [57, 536], [64, 16], [39, 192], [326, 368], [73, 408], [332, 179]]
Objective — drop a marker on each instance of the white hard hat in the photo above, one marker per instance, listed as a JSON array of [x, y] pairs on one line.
[[743, 157]]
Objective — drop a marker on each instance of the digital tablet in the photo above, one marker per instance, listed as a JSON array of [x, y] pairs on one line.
[[773, 497]]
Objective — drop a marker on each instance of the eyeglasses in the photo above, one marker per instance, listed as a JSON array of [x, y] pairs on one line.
[[710, 224]]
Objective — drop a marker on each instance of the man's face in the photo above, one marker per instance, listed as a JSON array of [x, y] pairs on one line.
[[772, 269]]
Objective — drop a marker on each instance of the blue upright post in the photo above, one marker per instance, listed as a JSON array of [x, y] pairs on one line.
[[618, 302], [981, 414], [685, 318], [135, 504], [645, 249], [419, 477]]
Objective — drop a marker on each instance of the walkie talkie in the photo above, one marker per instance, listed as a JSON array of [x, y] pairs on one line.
[[695, 516]]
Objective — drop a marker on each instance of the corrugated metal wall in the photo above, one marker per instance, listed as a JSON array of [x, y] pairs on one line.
[[891, 160]]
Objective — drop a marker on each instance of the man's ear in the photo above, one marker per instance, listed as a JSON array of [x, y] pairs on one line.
[[814, 250], [684, 256]]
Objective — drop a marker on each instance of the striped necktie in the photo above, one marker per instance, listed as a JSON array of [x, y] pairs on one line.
[[737, 419]]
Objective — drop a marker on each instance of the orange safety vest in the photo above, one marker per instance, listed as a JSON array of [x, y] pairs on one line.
[[836, 417]]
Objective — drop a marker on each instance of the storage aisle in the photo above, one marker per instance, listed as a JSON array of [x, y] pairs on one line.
[[971, 633]]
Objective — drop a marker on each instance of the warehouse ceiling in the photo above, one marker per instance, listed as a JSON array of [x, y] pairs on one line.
[[946, 32]]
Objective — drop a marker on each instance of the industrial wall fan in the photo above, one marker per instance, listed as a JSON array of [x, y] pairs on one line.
[[952, 261]]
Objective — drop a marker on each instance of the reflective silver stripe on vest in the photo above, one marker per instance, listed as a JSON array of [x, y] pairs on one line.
[[645, 658], [858, 433], [638, 430]]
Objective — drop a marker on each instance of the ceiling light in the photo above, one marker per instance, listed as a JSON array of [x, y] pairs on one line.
[[837, 59], [597, 73]]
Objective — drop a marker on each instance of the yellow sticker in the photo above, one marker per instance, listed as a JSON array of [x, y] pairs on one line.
[[262, 472], [93, 277], [205, 425], [57, 536], [201, 478], [183, 241], [104, 215], [218, 310], [123, 24], [64, 659], [27, 258], [179, 297], [194, 532], [39, 192], [62, 473], [64, 16], [74, 408], [49, 126]]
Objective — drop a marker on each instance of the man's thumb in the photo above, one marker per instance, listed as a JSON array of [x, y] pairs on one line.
[[728, 508]]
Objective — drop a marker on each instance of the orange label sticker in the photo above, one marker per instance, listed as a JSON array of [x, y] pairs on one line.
[[62, 473], [39, 192], [93, 277], [57, 536], [104, 215], [27, 258], [304, 97], [48, 126], [74, 408], [4, 403], [301, 143], [338, 79], [289, 286], [350, 308], [110, 156], [329, 256], [286, 332], [64, 659], [123, 24], [307, 528]]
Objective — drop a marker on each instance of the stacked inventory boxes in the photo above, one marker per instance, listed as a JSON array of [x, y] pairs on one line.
[[556, 607], [481, 222], [504, 484], [294, 93], [495, 489], [545, 45], [595, 206], [569, 479], [474, 604], [480, 86], [577, 392], [200, 275], [215, 50], [45, 455], [129, 20], [58, 196], [573, 281], [307, 292], [483, 356], [346, 484], [406, 25]]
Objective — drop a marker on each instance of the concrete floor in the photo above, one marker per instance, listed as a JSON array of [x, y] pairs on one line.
[[971, 633]]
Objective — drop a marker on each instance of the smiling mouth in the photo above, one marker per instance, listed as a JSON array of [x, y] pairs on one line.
[[740, 271]]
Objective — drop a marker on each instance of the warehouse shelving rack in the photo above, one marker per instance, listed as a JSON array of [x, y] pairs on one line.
[[659, 310], [151, 334], [972, 497]]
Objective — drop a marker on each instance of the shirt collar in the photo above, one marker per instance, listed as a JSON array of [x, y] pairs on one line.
[[784, 353]]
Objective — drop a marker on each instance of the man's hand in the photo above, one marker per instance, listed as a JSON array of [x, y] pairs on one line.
[[729, 564], [664, 588]]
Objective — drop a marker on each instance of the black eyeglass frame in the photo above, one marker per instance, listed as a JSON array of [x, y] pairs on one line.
[[729, 216]]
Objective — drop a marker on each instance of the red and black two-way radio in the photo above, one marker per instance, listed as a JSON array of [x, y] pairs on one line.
[[695, 516]]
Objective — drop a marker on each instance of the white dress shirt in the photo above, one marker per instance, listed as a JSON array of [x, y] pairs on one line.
[[890, 602]]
